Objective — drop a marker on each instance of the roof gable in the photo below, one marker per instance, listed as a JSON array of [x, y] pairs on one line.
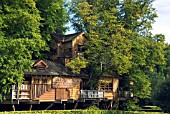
[[67, 38], [40, 65]]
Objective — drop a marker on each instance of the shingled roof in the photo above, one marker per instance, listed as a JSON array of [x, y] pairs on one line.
[[53, 69], [66, 38]]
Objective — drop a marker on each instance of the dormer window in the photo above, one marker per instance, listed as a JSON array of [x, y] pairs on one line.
[[40, 65]]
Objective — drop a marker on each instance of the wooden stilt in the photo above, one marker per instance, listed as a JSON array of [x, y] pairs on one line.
[[111, 105], [116, 104], [97, 103], [76, 105], [13, 107], [64, 106], [30, 107], [49, 106]]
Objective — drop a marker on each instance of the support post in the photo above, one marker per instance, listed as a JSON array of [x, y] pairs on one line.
[[31, 92], [13, 107], [111, 105], [49, 106], [64, 106], [76, 105], [55, 94], [30, 107], [18, 91], [98, 103]]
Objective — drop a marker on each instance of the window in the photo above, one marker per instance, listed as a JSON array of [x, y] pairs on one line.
[[81, 48], [44, 80], [68, 51], [106, 86], [36, 80]]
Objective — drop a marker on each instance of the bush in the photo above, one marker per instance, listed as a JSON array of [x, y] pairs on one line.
[[131, 106]]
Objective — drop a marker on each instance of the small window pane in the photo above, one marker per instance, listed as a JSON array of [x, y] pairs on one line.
[[44, 80]]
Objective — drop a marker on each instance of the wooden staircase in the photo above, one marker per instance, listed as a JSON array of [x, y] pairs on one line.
[[47, 96]]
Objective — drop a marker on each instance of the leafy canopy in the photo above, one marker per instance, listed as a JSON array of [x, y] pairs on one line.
[[120, 40]]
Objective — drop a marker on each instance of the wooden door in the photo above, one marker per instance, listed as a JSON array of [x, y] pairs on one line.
[[62, 93]]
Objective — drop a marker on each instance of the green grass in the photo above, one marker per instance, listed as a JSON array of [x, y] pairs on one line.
[[79, 112]]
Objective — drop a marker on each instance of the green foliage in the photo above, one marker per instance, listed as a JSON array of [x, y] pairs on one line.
[[120, 41], [54, 16], [77, 64], [131, 105], [93, 107], [151, 107], [162, 98], [21, 40], [25, 30], [80, 112]]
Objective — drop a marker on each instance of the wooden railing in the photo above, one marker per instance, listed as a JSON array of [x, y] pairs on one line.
[[21, 91], [125, 94], [29, 91], [91, 94], [39, 89]]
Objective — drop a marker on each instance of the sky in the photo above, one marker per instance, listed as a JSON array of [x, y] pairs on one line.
[[162, 24]]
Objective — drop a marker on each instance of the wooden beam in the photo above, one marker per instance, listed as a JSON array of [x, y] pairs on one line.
[[76, 105], [49, 106], [70, 101], [110, 104]]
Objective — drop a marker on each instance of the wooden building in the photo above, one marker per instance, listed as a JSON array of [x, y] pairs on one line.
[[66, 47], [48, 82], [51, 82]]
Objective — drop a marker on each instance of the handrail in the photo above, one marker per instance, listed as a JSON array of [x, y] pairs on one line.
[[125, 94], [34, 90], [91, 94]]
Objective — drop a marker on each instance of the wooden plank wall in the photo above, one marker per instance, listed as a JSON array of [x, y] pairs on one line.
[[75, 92]]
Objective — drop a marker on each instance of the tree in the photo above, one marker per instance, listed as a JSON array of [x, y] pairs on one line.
[[77, 64], [21, 40], [163, 93], [120, 40], [54, 16], [161, 85]]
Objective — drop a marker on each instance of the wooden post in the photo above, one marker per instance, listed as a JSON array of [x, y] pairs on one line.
[[76, 105], [30, 107], [111, 105], [31, 91], [55, 93], [13, 107], [64, 106], [49, 106], [98, 103], [17, 91]]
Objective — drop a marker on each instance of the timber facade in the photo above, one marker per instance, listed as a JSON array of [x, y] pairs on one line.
[[51, 82]]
